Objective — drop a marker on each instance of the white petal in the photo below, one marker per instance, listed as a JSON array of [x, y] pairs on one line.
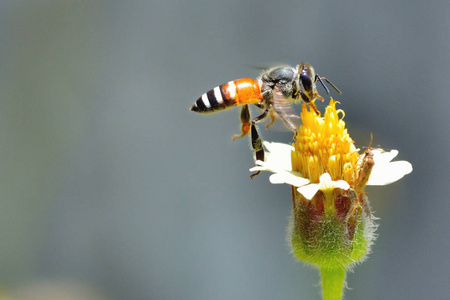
[[342, 184], [381, 156], [308, 191], [277, 147], [260, 166], [279, 155], [389, 173], [278, 158], [277, 178], [325, 178], [326, 183], [292, 178], [384, 171], [266, 166]]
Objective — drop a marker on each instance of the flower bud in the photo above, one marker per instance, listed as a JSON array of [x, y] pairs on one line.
[[334, 229]]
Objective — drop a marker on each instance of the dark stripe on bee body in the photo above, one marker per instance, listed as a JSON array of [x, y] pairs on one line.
[[215, 99], [199, 106]]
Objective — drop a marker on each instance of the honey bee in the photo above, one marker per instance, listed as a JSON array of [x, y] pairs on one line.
[[274, 91]]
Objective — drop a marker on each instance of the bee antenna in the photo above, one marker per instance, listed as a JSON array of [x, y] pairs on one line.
[[329, 82], [321, 82]]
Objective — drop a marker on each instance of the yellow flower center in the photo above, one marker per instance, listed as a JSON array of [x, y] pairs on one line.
[[323, 145]]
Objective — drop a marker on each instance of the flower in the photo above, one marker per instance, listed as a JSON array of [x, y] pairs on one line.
[[331, 223], [278, 157]]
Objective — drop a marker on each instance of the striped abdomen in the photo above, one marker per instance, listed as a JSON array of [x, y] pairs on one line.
[[230, 94]]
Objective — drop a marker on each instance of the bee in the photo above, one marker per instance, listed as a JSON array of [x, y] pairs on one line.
[[274, 92]]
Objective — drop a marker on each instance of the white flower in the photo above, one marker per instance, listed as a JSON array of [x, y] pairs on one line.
[[278, 161]]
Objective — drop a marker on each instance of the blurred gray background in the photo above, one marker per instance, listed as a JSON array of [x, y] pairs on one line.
[[110, 185]]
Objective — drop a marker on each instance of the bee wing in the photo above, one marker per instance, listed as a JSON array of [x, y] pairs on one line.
[[283, 107]]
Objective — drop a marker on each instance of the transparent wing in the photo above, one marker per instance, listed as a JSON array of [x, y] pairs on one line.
[[283, 107]]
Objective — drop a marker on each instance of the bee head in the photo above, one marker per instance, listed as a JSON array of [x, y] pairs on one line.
[[307, 82]]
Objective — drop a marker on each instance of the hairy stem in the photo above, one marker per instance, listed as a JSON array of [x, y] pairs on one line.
[[332, 283]]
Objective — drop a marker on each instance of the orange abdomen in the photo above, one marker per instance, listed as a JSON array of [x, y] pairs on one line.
[[243, 91]]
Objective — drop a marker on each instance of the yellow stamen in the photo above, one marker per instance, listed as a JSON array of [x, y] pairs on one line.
[[324, 145]]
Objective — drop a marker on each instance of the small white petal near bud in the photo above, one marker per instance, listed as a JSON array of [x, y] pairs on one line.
[[326, 183]]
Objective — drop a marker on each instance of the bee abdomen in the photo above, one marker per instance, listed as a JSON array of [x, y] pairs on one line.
[[212, 100], [230, 94]]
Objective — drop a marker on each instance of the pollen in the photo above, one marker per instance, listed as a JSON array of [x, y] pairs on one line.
[[323, 145]]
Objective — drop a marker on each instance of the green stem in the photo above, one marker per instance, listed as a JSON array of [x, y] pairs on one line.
[[332, 283]]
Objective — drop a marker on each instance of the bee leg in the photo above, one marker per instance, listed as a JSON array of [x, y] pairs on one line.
[[245, 119], [313, 106], [272, 119], [272, 114], [257, 146], [261, 105], [256, 139], [262, 116]]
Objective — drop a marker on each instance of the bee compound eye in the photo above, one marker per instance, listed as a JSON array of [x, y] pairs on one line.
[[306, 82]]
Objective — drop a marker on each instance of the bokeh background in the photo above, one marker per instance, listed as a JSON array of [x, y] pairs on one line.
[[112, 189]]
